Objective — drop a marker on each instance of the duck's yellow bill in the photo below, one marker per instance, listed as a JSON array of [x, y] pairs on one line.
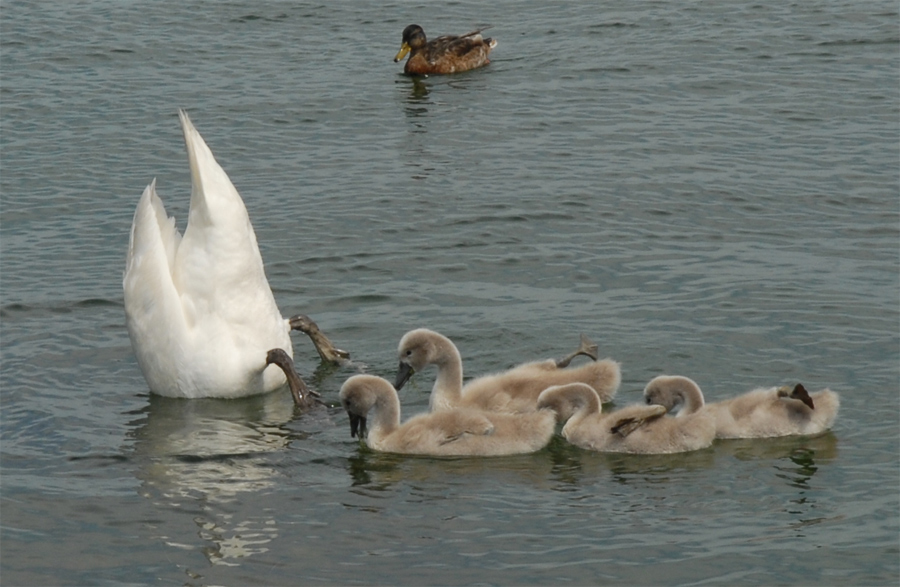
[[404, 49]]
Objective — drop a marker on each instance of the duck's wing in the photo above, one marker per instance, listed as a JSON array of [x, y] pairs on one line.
[[476, 31], [627, 420], [454, 45]]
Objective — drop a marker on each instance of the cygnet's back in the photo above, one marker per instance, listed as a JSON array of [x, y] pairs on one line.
[[515, 390], [640, 429], [459, 432], [781, 411], [761, 413]]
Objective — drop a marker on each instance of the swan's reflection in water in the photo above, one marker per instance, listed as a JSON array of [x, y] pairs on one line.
[[206, 457]]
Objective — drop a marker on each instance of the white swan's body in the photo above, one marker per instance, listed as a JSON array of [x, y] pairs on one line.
[[515, 390], [459, 432], [761, 413], [636, 429], [199, 310]]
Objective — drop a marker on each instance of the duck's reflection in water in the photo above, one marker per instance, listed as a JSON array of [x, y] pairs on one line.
[[205, 457]]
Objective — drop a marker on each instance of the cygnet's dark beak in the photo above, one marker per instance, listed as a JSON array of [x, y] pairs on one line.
[[357, 426], [404, 372]]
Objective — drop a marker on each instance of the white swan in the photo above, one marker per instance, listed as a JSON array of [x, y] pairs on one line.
[[515, 390], [459, 432], [199, 311], [762, 413], [639, 429]]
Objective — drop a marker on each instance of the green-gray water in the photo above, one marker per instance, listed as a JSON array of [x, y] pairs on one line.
[[704, 188]]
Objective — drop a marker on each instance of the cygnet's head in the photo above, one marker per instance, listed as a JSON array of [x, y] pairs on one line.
[[566, 400], [358, 397], [672, 392], [417, 349]]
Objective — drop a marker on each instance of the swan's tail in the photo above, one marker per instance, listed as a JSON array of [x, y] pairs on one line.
[[214, 199]]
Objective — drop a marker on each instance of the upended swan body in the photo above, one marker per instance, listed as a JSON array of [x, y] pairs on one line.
[[762, 413], [515, 390], [198, 308], [637, 429], [458, 432]]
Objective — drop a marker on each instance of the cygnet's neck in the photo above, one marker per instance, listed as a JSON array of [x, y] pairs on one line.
[[447, 390], [583, 403], [691, 398], [386, 417]]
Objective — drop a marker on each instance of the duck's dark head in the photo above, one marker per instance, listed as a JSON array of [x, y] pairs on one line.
[[413, 38]]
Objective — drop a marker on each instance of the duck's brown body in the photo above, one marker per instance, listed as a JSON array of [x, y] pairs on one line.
[[443, 55]]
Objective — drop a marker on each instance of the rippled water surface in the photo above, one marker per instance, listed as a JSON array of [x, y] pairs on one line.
[[708, 189]]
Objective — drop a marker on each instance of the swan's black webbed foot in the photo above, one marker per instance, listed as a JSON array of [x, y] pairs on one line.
[[303, 396], [324, 347], [801, 394]]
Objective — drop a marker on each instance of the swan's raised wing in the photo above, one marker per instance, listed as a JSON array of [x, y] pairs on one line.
[[219, 265], [153, 311]]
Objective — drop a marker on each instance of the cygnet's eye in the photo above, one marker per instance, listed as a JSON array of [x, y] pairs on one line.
[[409, 353], [649, 401]]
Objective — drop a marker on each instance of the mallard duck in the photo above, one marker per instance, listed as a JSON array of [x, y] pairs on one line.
[[199, 311], [762, 413], [447, 54], [460, 432], [514, 390]]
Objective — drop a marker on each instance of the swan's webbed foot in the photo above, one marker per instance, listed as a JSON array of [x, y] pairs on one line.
[[586, 348], [626, 425], [303, 396], [324, 347], [799, 392]]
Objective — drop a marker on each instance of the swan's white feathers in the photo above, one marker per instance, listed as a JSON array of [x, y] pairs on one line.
[[199, 310]]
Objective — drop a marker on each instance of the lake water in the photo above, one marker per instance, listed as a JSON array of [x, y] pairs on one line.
[[704, 188]]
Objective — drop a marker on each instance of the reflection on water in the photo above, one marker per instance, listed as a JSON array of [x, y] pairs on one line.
[[573, 466], [799, 476], [823, 446], [235, 539], [795, 460], [416, 99], [379, 471], [709, 198], [419, 90], [798, 469], [201, 455]]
